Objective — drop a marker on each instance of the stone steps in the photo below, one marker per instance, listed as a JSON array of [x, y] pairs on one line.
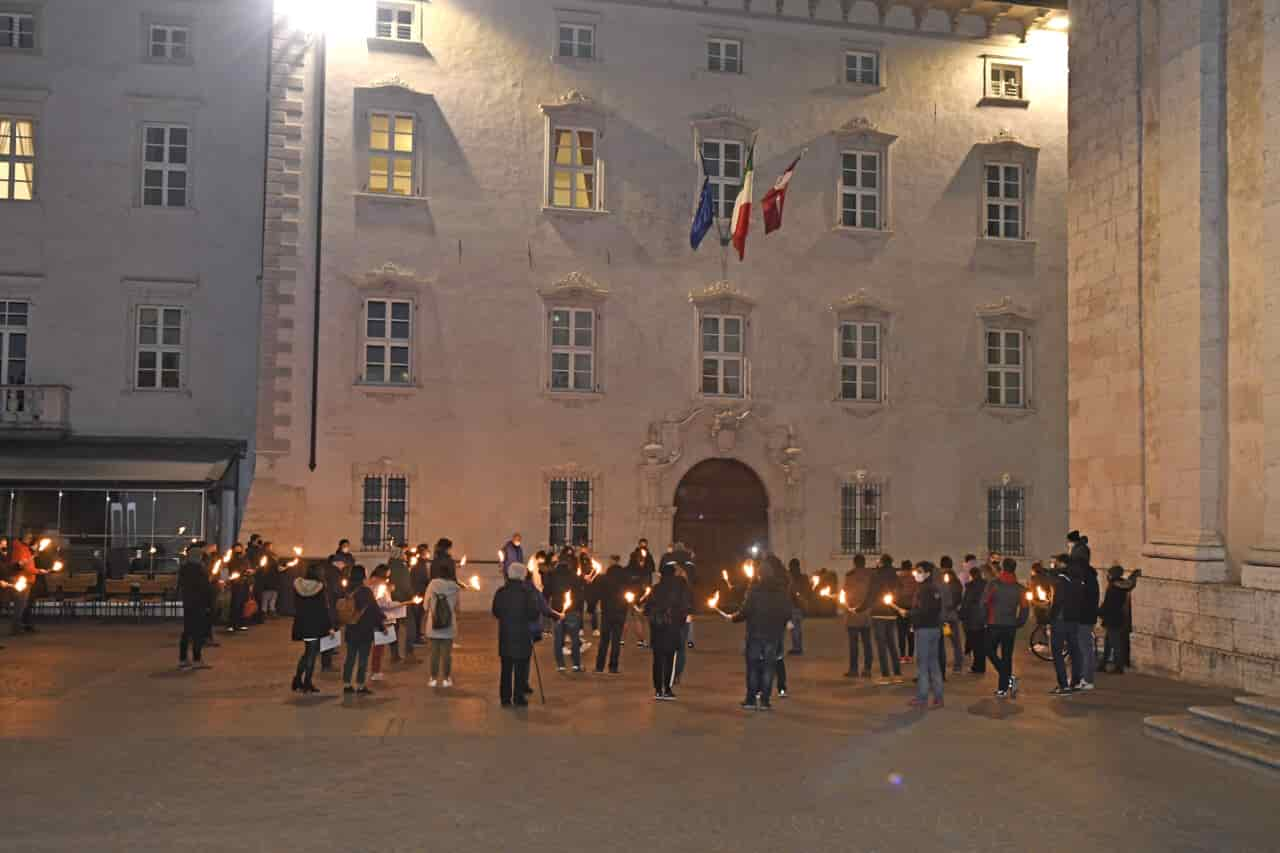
[[1247, 732]]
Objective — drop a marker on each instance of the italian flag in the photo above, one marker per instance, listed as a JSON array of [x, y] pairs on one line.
[[742, 207]]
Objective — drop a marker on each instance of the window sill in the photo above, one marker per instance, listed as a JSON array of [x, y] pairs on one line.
[[1008, 244], [413, 48], [1014, 103], [387, 390], [393, 199], [863, 233], [573, 211], [572, 396], [1009, 414]]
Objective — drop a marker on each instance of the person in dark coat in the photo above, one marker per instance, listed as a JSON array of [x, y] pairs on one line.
[[359, 634], [1117, 618], [515, 606], [197, 603], [766, 610], [973, 615], [612, 591], [667, 607], [310, 624]]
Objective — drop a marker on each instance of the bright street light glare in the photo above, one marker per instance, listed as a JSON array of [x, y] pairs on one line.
[[309, 16]]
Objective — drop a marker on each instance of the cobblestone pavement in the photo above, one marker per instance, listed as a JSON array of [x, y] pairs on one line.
[[107, 747]]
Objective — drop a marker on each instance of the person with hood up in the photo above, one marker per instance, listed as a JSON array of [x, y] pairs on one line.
[[878, 604], [926, 620], [1005, 604], [197, 603], [310, 624], [1117, 618], [973, 613], [666, 609], [613, 611], [359, 634], [515, 606], [766, 611], [858, 623]]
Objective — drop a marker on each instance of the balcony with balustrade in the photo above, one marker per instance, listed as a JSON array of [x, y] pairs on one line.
[[35, 411]]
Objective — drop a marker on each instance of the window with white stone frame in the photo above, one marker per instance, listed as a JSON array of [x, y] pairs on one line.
[[384, 511], [724, 55], [570, 511], [573, 349], [168, 43], [862, 67], [860, 188], [860, 361], [17, 29], [388, 342], [722, 163], [723, 355], [1007, 520], [393, 154], [160, 348], [576, 41], [166, 165], [1003, 195], [17, 158], [394, 21], [860, 518], [1006, 368]]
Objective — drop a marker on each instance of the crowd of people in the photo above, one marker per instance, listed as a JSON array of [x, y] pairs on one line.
[[894, 614]]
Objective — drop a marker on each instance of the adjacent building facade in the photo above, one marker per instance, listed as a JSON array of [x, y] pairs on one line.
[[131, 186], [513, 332], [1174, 377]]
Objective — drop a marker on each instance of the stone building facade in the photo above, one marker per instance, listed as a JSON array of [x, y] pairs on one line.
[[131, 151], [1174, 392], [514, 333]]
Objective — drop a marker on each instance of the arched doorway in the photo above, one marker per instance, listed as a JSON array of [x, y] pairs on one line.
[[722, 509]]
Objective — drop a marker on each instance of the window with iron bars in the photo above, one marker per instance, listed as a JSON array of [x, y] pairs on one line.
[[385, 515], [860, 518], [1006, 520], [570, 512]]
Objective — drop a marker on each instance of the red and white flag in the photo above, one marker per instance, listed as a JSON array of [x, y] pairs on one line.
[[776, 198]]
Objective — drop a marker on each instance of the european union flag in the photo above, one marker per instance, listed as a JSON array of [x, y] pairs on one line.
[[704, 217]]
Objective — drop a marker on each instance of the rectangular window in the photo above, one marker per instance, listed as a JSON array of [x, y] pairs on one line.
[[1003, 194], [577, 41], [15, 317], [160, 348], [573, 346], [388, 341], [165, 152], [1005, 82], [722, 163], [394, 21], [860, 518], [860, 189], [1006, 368], [1006, 520], [573, 168], [860, 361], [385, 511], [861, 66], [570, 507], [17, 30], [722, 351], [169, 43], [724, 55], [392, 153], [17, 159]]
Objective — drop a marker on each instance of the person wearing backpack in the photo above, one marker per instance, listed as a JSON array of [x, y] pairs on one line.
[[667, 608], [365, 620], [441, 604], [1006, 605]]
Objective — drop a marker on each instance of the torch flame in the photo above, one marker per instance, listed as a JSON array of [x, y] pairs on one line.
[[714, 600], [44, 543], [475, 582]]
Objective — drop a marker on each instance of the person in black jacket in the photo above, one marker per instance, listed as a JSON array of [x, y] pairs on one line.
[[667, 608], [611, 588], [973, 615], [516, 608], [1117, 618], [197, 603], [359, 634], [310, 624], [766, 611]]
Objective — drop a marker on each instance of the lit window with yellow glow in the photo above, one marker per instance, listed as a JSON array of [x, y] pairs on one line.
[[392, 153], [17, 159], [573, 168]]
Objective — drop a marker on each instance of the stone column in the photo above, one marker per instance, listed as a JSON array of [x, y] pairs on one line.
[[1262, 570], [1186, 330]]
